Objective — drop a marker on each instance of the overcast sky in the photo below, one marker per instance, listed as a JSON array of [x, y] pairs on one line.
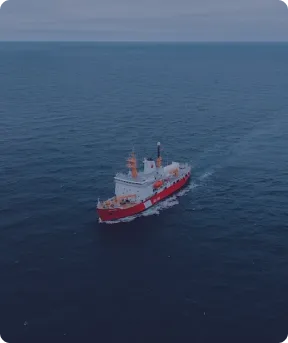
[[152, 20]]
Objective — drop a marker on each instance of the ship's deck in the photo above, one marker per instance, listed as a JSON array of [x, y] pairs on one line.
[[116, 204], [140, 179], [145, 178]]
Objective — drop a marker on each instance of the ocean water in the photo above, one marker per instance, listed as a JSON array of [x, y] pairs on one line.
[[209, 264]]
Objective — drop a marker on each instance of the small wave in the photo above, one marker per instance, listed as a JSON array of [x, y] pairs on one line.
[[206, 175], [163, 205], [122, 220], [187, 189]]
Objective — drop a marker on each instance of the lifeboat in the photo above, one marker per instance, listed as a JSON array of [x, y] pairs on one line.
[[158, 184]]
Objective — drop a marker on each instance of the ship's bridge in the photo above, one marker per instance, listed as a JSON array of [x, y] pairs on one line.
[[149, 166]]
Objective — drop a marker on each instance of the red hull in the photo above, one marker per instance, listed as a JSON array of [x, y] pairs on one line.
[[118, 213]]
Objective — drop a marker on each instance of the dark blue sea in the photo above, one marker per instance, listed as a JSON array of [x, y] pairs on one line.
[[209, 264]]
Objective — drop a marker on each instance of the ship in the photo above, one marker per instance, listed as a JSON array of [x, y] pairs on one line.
[[137, 191]]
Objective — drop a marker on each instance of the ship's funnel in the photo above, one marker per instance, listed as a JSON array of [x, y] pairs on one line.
[[158, 149], [159, 159]]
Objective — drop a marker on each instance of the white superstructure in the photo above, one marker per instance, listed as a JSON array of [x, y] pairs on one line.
[[143, 184]]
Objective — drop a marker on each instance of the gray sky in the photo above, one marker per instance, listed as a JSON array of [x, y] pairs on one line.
[[152, 20]]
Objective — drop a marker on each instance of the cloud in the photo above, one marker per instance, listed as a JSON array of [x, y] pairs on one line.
[[144, 20]]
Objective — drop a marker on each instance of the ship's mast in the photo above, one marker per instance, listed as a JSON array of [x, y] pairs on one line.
[[159, 158], [132, 164]]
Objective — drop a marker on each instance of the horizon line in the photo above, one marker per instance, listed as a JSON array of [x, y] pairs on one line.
[[146, 41]]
